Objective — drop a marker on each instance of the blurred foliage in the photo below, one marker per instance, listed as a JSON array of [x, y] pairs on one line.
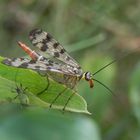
[[37, 124], [96, 32]]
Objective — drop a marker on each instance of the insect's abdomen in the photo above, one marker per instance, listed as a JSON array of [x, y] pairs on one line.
[[69, 80]]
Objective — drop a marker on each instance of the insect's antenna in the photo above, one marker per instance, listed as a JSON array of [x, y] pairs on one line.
[[118, 59], [105, 66], [104, 86]]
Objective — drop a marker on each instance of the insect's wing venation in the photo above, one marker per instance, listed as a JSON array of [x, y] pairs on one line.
[[58, 73], [24, 63], [46, 43], [43, 65]]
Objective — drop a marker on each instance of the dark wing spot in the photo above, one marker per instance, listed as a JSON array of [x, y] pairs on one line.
[[48, 68], [35, 31], [32, 34], [7, 61], [56, 54], [75, 71], [37, 67], [50, 62], [21, 59], [38, 31], [55, 45], [44, 47], [48, 37], [62, 51], [35, 44], [23, 65], [14, 59], [44, 41]]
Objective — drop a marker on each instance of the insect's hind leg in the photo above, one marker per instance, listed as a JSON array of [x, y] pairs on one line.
[[70, 97], [48, 84], [60, 93]]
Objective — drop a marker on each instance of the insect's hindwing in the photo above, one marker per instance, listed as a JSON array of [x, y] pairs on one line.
[[46, 43]]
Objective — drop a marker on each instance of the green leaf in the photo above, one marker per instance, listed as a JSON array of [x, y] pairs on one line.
[[10, 77]]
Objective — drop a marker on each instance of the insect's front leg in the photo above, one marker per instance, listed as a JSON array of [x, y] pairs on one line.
[[48, 84]]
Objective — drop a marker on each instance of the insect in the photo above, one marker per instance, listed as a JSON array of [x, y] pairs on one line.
[[21, 93], [22, 97], [59, 66]]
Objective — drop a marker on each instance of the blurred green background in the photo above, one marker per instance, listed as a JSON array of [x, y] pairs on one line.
[[95, 32]]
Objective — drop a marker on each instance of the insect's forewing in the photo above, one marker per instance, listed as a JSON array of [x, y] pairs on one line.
[[46, 43], [43, 65], [59, 73], [24, 63]]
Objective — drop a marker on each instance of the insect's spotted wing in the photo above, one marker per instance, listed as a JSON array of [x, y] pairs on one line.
[[46, 43], [41, 60], [67, 71], [59, 73], [23, 63], [43, 65]]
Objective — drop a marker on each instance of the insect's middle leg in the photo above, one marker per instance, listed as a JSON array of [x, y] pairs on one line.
[[68, 101]]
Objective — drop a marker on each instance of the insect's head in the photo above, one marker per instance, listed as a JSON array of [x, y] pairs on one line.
[[88, 77]]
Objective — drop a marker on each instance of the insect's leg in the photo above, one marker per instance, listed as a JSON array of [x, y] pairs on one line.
[[14, 89], [57, 97], [48, 81], [73, 89], [15, 97], [20, 86], [68, 101], [25, 89]]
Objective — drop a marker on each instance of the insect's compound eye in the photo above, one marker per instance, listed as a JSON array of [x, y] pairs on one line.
[[88, 76]]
